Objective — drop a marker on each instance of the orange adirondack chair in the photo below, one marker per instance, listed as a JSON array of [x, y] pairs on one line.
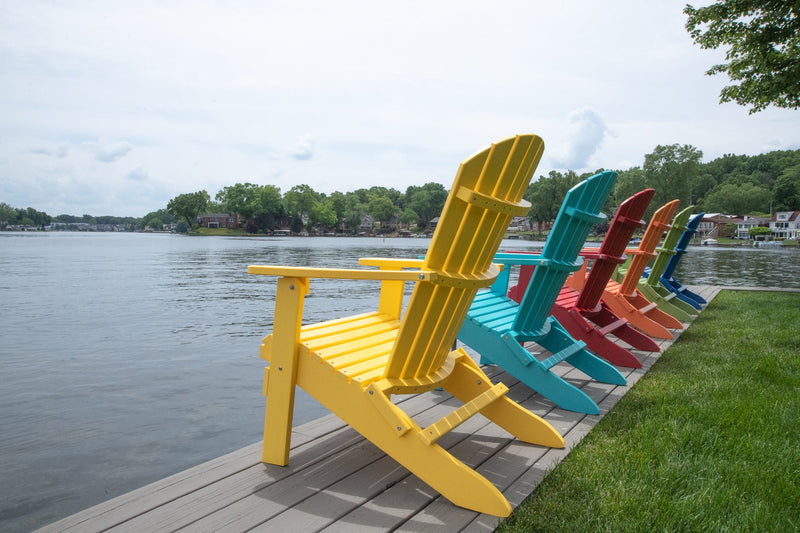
[[624, 298], [354, 365]]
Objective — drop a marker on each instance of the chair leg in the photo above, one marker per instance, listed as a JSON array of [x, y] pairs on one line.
[[520, 363], [693, 295], [625, 332], [281, 376], [584, 360], [674, 300], [430, 462], [468, 380], [681, 293], [572, 320], [622, 308], [655, 296], [653, 312]]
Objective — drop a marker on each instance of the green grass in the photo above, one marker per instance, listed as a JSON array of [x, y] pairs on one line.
[[708, 440], [219, 232]]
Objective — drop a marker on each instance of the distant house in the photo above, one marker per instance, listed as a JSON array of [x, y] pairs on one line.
[[785, 224], [744, 224], [218, 220], [519, 224], [712, 225], [367, 225]]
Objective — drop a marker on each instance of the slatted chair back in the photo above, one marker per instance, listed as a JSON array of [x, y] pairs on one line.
[[646, 251], [667, 249], [612, 251], [580, 211], [683, 244], [486, 195]]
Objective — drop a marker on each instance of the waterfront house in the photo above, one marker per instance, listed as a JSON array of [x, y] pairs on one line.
[[519, 224], [744, 224], [713, 225], [785, 224], [218, 220]]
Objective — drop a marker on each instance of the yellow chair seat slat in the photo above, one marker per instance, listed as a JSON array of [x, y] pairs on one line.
[[367, 378], [308, 331], [359, 356], [370, 365], [350, 333], [348, 348]]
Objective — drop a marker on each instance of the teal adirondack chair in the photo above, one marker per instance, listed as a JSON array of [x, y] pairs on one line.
[[496, 326]]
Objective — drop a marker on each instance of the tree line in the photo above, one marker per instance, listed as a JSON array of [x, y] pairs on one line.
[[732, 184], [262, 208]]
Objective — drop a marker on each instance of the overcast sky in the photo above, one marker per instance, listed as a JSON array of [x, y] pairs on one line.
[[114, 107]]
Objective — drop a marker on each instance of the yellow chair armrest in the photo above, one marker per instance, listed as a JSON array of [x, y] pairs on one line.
[[340, 273], [390, 263]]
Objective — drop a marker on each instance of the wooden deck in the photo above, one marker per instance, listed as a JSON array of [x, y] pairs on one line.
[[337, 481]]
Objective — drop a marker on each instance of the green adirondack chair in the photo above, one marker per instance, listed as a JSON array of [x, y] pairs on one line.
[[651, 287], [496, 325]]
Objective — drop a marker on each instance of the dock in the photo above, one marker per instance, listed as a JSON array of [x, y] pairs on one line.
[[338, 481]]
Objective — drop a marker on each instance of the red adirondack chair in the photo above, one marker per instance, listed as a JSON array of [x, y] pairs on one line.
[[579, 307]]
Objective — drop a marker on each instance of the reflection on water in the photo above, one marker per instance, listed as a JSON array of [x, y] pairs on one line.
[[741, 266], [129, 357]]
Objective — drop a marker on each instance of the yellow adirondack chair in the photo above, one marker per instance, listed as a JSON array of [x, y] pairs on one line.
[[354, 365]]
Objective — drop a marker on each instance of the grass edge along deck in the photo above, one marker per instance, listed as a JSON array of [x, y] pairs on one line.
[[336, 480]]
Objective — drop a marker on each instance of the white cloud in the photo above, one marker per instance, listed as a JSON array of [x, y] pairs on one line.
[[303, 149], [108, 153], [60, 151], [137, 174], [585, 134]]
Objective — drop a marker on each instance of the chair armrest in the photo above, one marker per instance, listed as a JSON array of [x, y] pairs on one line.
[[390, 263], [340, 273], [521, 258]]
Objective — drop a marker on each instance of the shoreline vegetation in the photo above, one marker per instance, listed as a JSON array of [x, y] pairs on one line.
[[521, 235], [735, 185], [705, 441]]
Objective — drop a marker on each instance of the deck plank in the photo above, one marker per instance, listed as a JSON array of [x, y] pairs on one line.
[[338, 481]]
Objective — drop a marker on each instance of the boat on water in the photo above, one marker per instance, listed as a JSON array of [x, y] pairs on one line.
[[768, 244], [709, 242]]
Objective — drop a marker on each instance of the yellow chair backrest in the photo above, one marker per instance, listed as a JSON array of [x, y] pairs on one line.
[[486, 195]]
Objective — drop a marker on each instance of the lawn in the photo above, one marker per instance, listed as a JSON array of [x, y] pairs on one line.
[[708, 440]]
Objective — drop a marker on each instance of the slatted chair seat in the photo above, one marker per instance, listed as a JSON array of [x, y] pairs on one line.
[[497, 326], [624, 298], [354, 365], [579, 306]]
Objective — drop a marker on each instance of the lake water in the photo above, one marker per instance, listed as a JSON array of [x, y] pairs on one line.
[[128, 357]]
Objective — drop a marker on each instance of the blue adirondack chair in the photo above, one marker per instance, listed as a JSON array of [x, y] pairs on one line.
[[667, 278], [496, 326]]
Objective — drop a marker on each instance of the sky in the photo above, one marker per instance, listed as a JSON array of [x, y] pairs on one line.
[[115, 107]]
